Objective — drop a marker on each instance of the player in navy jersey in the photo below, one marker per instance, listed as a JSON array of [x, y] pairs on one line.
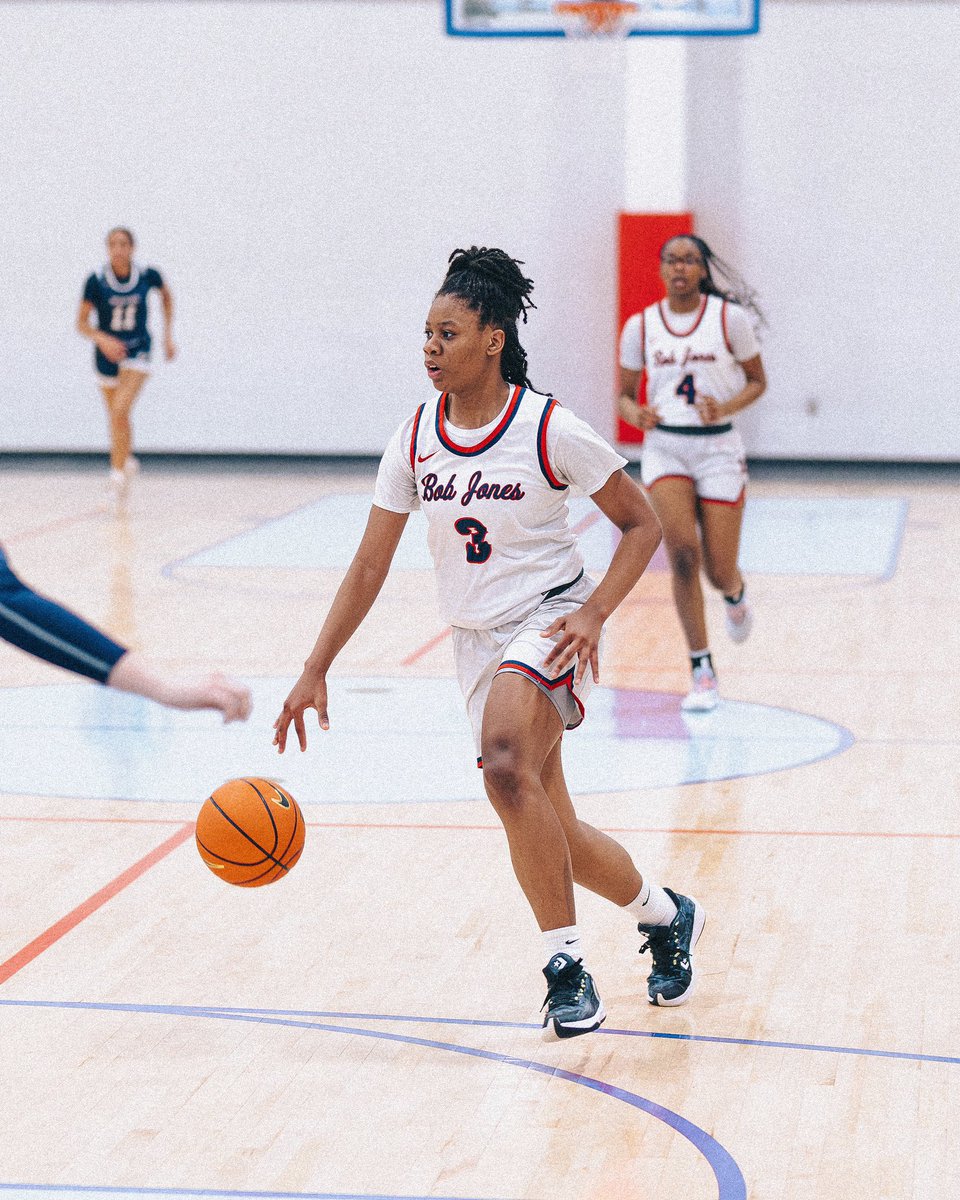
[[47, 630], [491, 462], [701, 358], [118, 294]]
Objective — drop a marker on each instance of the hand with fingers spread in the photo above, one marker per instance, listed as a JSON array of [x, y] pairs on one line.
[[577, 638], [310, 691]]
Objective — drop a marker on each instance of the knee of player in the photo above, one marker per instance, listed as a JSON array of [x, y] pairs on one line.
[[685, 561], [504, 772]]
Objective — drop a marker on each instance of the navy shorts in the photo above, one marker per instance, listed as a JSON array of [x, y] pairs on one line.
[[138, 357], [49, 631]]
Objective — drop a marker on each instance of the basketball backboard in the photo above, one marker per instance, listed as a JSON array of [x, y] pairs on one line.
[[538, 18]]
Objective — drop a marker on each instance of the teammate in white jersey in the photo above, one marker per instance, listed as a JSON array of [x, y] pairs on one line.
[[491, 463], [702, 363]]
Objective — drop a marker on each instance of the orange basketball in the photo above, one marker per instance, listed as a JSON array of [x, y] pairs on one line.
[[250, 832]]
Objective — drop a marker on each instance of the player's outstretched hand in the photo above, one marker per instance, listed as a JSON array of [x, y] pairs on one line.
[[577, 638], [310, 691]]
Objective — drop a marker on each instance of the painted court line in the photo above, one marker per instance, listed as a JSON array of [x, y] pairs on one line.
[[453, 827], [299, 1016], [52, 526], [69, 1189], [62, 927], [730, 1181]]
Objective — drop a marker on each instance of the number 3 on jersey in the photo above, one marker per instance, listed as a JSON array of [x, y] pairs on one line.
[[686, 387], [478, 548]]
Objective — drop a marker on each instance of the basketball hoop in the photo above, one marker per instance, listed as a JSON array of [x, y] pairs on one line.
[[595, 18]]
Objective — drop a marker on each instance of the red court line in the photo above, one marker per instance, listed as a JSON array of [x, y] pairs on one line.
[[94, 820], [783, 833], [62, 927], [51, 526], [426, 648], [492, 828]]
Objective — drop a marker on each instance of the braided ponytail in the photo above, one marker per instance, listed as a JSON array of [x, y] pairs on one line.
[[737, 291], [491, 283]]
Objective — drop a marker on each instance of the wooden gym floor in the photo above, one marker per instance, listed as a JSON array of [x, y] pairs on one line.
[[368, 1027]]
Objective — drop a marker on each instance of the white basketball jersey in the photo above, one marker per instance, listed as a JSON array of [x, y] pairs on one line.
[[496, 507], [682, 365]]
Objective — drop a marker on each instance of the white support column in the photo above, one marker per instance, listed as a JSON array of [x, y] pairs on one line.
[[656, 135]]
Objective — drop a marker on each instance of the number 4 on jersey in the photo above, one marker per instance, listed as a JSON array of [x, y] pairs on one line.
[[686, 387]]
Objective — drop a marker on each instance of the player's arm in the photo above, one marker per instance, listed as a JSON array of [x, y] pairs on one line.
[[579, 633], [639, 415], [166, 305], [109, 346], [712, 410], [360, 587]]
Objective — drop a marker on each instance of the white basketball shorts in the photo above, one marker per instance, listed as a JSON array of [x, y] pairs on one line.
[[480, 654], [716, 462]]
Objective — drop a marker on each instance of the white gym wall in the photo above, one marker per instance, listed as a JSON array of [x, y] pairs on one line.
[[300, 172]]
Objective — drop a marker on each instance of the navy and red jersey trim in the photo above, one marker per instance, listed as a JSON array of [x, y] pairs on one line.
[[564, 680], [695, 326], [413, 438], [542, 458], [723, 326], [492, 437]]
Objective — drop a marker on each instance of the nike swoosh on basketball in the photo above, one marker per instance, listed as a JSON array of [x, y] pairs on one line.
[[424, 457]]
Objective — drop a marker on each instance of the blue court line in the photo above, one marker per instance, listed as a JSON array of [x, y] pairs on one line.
[[604, 1031], [730, 1182], [896, 543]]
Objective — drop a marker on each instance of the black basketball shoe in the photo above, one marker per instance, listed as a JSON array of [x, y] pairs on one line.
[[572, 1004], [671, 977]]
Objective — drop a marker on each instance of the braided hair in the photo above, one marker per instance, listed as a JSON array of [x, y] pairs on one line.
[[491, 283], [737, 291]]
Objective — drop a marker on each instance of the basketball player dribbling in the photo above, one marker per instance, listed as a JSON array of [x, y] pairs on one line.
[[49, 631], [118, 295], [702, 362], [491, 463]]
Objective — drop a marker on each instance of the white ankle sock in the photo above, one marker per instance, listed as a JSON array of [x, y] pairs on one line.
[[653, 906], [563, 941]]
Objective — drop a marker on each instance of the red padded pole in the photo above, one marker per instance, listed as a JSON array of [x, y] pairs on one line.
[[640, 236]]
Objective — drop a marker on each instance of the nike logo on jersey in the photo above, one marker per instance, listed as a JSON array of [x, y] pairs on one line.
[[424, 457]]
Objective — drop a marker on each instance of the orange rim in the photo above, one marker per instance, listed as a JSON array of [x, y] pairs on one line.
[[596, 16]]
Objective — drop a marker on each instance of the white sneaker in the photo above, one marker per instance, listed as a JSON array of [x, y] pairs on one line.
[[117, 488], [704, 695], [739, 620], [131, 466]]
